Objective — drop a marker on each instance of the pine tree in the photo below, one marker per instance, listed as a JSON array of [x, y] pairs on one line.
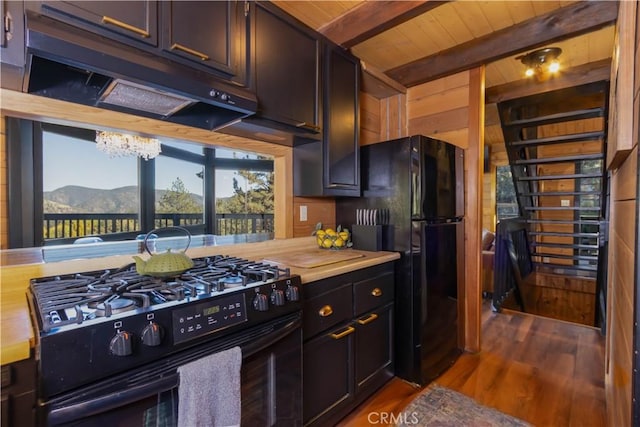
[[178, 199]]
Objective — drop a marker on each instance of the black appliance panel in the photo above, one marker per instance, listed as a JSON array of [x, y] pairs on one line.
[[270, 384]]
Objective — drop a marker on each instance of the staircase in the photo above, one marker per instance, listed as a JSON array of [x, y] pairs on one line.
[[555, 142]]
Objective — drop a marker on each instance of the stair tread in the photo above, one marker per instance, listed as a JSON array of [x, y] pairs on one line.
[[562, 256], [564, 159], [563, 245], [562, 193], [558, 139], [552, 177], [562, 208], [559, 234], [558, 117], [565, 266]]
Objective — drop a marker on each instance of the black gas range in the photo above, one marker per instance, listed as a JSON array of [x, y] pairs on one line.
[[93, 325]]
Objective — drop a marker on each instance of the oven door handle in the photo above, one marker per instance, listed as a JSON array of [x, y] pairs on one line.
[[260, 344], [133, 394]]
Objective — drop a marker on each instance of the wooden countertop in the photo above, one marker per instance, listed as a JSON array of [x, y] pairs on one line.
[[17, 336]]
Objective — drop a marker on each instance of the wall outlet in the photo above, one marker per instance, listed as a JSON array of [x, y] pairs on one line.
[[565, 203], [303, 212]]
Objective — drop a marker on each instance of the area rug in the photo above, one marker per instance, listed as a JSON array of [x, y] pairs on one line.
[[442, 407]]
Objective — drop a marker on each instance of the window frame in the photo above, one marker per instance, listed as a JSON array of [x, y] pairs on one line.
[[25, 182]]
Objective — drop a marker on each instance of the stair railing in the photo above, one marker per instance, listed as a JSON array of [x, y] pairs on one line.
[[512, 262]]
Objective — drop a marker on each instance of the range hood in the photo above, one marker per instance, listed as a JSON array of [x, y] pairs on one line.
[[70, 64]]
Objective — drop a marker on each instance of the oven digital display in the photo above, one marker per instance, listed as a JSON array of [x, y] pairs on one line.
[[207, 317], [211, 310]]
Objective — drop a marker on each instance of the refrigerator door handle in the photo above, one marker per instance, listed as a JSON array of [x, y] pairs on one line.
[[423, 272]]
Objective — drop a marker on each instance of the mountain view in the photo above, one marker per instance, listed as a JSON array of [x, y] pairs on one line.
[[77, 199]]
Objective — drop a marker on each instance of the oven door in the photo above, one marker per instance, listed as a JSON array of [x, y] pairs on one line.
[[271, 384]]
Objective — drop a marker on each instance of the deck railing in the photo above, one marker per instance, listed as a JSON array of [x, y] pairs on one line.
[[73, 225]]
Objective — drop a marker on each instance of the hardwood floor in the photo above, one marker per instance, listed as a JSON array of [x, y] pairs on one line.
[[544, 371]]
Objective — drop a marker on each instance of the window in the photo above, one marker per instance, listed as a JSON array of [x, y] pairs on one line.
[[84, 191], [506, 203], [588, 200], [79, 191]]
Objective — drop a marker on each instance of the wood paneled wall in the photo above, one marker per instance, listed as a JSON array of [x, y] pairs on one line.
[[623, 228]]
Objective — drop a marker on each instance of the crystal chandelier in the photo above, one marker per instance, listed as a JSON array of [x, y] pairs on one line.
[[121, 144]]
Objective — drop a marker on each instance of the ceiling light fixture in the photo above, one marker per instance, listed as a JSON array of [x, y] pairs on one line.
[[542, 62], [121, 145]]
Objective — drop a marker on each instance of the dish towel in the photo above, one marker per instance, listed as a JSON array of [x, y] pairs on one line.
[[209, 390]]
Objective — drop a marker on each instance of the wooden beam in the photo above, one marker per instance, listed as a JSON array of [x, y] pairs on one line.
[[378, 84], [372, 18], [582, 74], [474, 160], [570, 21]]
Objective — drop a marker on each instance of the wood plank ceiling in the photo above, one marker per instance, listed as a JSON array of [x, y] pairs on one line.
[[405, 43]]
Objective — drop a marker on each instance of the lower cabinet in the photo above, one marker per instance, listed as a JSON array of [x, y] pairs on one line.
[[18, 394], [348, 341]]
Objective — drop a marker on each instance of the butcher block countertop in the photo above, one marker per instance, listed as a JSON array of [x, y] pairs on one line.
[[301, 255]]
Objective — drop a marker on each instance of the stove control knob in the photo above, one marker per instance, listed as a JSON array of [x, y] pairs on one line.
[[292, 293], [277, 297], [121, 344], [152, 335], [261, 302]]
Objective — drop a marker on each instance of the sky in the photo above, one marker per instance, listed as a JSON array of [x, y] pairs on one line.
[[83, 164]]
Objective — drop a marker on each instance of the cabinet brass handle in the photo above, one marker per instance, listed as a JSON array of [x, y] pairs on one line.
[[124, 25], [185, 49], [348, 331], [306, 125], [325, 311], [376, 292], [368, 319]]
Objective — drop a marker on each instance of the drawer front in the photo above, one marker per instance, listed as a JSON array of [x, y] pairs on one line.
[[327, 310], [372, 293]]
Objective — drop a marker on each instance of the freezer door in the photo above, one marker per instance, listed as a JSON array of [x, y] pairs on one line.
[[436, 179]]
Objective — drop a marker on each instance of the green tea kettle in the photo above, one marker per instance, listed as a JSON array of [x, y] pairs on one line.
[[166, 264]]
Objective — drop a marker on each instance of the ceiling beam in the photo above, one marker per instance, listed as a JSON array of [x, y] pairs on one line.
[[573, 20], [575, 76], [372, 18]]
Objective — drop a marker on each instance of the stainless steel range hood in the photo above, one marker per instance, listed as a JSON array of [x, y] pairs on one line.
[[70, 64]]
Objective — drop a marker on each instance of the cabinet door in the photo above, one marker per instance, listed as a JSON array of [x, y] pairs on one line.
[[204, 33], [135, 20], [374, 348], [11, 45], [286, 65], [341, 127], [328, 374]]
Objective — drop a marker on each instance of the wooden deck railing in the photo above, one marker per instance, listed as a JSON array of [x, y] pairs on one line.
[[73, 225]]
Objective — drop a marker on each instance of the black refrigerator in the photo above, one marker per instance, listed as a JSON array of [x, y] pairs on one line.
[[419, 180]]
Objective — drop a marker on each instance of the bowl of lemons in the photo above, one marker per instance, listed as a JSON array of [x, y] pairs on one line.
[[329, 238]]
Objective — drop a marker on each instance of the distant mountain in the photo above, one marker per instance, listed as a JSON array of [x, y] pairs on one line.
[[78, 199]]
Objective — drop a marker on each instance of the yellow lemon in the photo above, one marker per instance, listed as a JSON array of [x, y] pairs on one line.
[[320, 233], [330, 232], [338, 243], [319, 240], [327, 243], [344, 235]]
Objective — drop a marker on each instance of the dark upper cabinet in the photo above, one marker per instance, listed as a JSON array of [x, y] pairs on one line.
[[127, 21], [286, 65], [341, 126], [208, 35], [332, 168], [11, 44]]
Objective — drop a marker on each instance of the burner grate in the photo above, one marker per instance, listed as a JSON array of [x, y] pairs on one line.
[[75, 298]]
